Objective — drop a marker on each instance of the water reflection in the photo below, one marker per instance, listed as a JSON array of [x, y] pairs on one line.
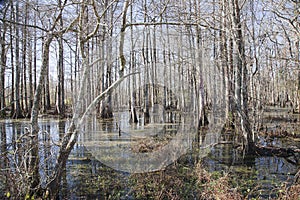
[[85, 177], [141, 147], [262, 174]]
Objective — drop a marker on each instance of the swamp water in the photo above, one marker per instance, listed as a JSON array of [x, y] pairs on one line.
[[103, 162]]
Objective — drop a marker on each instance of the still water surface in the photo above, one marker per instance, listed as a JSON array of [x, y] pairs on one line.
[[87, 177]]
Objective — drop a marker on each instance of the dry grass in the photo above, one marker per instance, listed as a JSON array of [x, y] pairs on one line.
[[290, 193], [173, 183], [181, 182], [215, 187]]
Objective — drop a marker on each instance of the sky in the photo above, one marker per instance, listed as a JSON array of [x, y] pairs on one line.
[[1, 3]]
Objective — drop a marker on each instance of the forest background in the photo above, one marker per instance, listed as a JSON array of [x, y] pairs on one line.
[[57, 57]]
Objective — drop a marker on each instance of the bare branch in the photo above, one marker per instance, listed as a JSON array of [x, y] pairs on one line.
[[98, 17], [24, 25], [290, 20], [171, 24]]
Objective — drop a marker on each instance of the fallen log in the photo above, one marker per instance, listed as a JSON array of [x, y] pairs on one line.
[[278, 151]]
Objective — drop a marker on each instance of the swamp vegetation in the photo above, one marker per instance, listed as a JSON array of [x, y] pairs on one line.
[[223, 172], [138, 99]]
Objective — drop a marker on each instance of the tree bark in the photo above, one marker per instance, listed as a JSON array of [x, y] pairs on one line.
[[12, 111], [241, 92], [298, 56], [17, 106], [34, 163], [24, 62], [122, 38], [203, 120], [133, 115], [225, 64], [3, 59], [30, 75], [60, 65]]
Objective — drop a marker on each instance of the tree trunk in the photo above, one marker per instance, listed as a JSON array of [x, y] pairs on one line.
[[11, 38], [241, 93], [146, 64], [298, 57], [2, 69], [24, 54], [203, 120], [34, 167], [17, 97], [47, 100], [34, 71], [60, 108], [30, 77], [133, 115]]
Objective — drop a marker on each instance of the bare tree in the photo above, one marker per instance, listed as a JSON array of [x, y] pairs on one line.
[[241, 87], [3, 62], [184, 45], [60, 104], [70, 138], [17, 98]]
